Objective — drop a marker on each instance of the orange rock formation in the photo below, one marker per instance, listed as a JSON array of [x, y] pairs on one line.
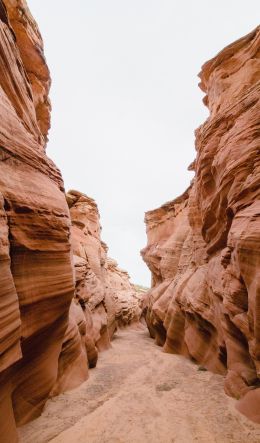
[[103, 289], [204, 247], [37, 279], [47, 341]]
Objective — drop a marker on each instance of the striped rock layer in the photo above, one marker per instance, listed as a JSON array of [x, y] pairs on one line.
[[204, 247], [48, 339]]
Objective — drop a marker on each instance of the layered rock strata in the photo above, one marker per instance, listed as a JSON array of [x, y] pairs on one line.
[[103, 290], [204, 247], [36, 269], [48, 339]]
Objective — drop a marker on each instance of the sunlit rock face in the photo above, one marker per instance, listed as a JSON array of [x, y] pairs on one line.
[[36, 269], [204, 247], [103, 290]]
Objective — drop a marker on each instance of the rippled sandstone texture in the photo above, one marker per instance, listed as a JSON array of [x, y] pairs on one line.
[[204, 247], [103, 290], [47, 341], [36, 270]]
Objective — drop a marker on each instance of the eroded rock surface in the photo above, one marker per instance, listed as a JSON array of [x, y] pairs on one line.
[[36, 270], [204, 247], [103, 290], [48, 339]]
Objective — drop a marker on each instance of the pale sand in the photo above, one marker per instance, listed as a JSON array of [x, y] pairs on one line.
[[138, 394]]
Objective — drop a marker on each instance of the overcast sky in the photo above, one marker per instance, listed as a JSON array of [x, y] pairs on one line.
[[126, 102]]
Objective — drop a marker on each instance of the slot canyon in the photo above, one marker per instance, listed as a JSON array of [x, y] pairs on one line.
[[85, 354]]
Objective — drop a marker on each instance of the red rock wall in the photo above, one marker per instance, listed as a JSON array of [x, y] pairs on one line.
[[103, 290], [36, 269], [48, 339], [204, 247]]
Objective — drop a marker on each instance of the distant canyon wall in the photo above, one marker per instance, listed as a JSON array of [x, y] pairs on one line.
[[103, 290], [104, 299], [204, 247], [49, 334]]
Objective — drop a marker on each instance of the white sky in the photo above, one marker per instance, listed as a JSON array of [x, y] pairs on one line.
[[126, 102]]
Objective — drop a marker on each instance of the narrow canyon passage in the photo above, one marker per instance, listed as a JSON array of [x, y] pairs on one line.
[[139, 394], [65, 302]]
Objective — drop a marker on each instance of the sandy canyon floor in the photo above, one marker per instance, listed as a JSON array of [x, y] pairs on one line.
[[138, 394]]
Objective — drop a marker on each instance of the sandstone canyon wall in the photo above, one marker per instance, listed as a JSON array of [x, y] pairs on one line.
[[104, 299], [204, 247], [103, 290], [36, 271], [47, 341]]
